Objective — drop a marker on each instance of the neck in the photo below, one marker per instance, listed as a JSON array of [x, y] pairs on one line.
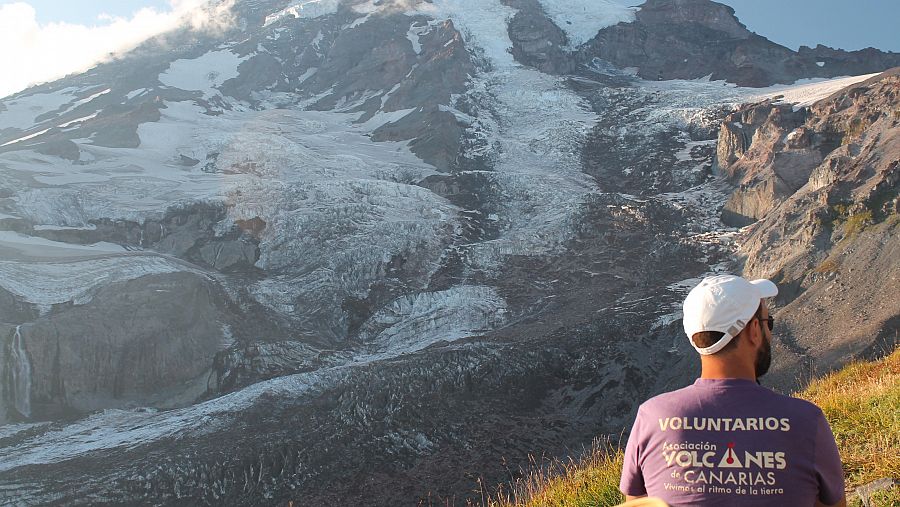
[[716, 368]]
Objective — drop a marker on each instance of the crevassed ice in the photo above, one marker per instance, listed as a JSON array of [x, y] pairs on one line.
[[535, 126], [414, 321], [49, 283]]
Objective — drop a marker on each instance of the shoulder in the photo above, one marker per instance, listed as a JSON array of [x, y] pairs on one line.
[[677, 398], [797, 406]]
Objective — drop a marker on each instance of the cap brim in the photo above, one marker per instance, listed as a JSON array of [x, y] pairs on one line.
[[766, 288]]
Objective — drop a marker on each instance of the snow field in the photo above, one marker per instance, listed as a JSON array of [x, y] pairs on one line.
[[204, 73]]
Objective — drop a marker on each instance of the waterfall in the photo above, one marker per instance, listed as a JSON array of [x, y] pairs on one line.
[[21, 376]]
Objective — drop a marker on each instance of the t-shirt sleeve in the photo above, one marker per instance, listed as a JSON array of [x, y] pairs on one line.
[[828, 465], [632, 482]]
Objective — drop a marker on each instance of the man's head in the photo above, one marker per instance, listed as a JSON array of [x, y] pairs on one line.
[[718, 319]]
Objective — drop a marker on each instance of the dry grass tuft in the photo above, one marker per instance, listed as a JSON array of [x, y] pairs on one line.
[[862, 405], [592, 481]]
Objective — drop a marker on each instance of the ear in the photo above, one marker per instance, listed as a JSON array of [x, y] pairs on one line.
[[753, 334]]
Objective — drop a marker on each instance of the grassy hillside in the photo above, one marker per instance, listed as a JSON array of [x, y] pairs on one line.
[[861, 402]]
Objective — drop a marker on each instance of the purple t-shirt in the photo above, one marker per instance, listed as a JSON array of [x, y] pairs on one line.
[[731, 442]]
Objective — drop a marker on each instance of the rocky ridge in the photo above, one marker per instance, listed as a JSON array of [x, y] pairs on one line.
[[692, 39], [820, 187]]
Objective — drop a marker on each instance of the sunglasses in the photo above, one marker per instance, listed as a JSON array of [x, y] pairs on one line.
[[770, 322]]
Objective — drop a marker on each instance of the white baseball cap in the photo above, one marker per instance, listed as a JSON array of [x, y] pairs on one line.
[[723, 303]]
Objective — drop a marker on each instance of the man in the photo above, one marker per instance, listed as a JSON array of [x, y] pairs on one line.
[[726, 440]]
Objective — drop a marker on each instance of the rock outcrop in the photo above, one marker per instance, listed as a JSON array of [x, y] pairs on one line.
[[537, 41], [820, 187], [88, 357], [766, 151], [689, 39]]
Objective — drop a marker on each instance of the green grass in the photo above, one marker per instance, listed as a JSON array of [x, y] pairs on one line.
[[861, 403], [857, 223]]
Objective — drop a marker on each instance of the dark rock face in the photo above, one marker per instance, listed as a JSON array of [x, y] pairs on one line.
[[187, 232], [537, 41], [245, 364], [688, 39], [863, 61], [439, 145], [821, 188], [12, 309], [84, 358]]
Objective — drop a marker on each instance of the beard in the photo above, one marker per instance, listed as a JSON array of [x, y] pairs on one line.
[[763, 358]]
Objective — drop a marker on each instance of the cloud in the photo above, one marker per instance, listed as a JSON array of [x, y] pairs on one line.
[[34, 53]]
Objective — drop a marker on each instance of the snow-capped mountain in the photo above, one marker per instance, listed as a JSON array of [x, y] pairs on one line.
[[348, 252]]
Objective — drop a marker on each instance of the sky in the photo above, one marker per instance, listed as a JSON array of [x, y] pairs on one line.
[[43, 40], [86, 12], [52, 38]]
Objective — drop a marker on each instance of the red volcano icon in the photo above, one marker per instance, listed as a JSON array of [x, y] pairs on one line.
[[730, 454]]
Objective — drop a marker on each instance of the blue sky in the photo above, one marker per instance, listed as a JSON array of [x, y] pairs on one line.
[[844, 24], [85, 12]]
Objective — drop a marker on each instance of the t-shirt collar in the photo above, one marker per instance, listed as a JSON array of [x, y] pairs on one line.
[[724, 382]]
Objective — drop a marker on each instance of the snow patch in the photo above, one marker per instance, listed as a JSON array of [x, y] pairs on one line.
[[136, 93], [91, 97], [367, 9], [684, 155], [31, 136], [21, 375], [78, 120], [413, 35], [304, 10], [807, 92], [21, 113], [204, 73], [50, 227], [33, 246], [308, 73], [582, 19], [381, 118]]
